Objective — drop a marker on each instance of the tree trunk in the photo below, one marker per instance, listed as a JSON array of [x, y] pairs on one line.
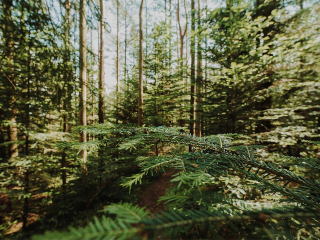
[[192, 93], [67, 74], [91, 80], [182, 35], [26, 172], [170, 34], [140, 100], [101, 68], [83, 76], [199, 77], [118, 83], [8, 35], [146, 39], [205, 84], [125, 43], [67, 99]]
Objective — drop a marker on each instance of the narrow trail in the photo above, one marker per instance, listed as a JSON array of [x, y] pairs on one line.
[[150, 196]]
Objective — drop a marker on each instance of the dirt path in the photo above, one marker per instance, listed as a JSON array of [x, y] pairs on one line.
[[150, 196]]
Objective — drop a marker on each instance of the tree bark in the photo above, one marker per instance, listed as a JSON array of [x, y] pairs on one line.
[[205, 83], [67, 72], [67, 99], [182, 35], [170, 34], [192, 92], [83, 76], [8, 35], [199, 77], [146, 40], [117, 64], [140, 88], [101, 67], [125, 43], [27, 126]]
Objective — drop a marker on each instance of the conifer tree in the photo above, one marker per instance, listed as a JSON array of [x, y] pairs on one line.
[[140, 88], [9, 78], [193, 70], [182, 34], [101, 66], [83, 75], [198, 128]]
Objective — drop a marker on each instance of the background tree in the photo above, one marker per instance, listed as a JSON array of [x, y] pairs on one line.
[[193, 70], [101, 66], [83, 74], [199, 82], [140, 100]]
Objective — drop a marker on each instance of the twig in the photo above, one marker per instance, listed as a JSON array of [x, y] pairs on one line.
[[7, 78]]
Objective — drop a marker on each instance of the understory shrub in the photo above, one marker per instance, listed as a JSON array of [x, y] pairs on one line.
[[223, 190]]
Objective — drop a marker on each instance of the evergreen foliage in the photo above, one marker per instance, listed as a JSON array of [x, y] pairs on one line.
[[218, 187], [246, 80]]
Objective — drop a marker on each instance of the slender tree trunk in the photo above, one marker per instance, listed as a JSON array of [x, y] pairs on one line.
[[156, 95], [117, 64], [101, 67], [101, 82], [26, 200], [182, 35], [167, 40], [170, 34], [186, 82], [83, 76], [146, 38], [192, 93], [125, 43], [166, 62], [92, 81], [88, 91], [165, 11], [140, 100], [8, 36], [69, 69], [178, 50], [125, 52], [26, 172], [199, 77], [66, 98], [205, 86], [67, 73]]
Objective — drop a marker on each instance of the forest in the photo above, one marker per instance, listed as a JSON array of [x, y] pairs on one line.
[[167, 119]]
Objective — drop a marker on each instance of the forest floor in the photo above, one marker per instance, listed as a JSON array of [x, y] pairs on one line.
[[150, 195]]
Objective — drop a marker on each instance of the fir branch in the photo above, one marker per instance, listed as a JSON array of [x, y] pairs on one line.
[[137, 177]]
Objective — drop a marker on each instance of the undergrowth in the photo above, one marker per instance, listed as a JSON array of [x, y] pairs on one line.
[[223, 191]]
